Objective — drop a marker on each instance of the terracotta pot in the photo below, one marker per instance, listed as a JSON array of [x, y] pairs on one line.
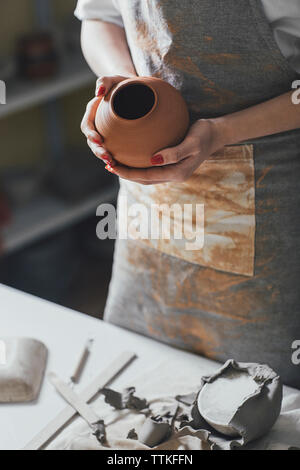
[[140, 117]]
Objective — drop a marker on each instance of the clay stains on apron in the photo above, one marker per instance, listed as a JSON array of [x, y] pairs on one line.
[[187, 65], [265, 171], [221, 58], [180, 313]]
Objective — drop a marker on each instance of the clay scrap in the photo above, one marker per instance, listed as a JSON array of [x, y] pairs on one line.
[[126, 399], [132, 435], [158, 429], [100, 432], [188, 399], [22, 367]]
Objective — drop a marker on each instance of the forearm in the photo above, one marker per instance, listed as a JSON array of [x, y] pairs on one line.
[[105, 48], [271, 117]]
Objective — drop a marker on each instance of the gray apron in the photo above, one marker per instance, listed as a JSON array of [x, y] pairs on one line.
[[238, 297]]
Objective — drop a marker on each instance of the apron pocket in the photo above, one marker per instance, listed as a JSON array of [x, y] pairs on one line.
[[219, 200]]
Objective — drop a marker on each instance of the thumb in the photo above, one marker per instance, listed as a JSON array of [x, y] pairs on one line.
[[105, 84]]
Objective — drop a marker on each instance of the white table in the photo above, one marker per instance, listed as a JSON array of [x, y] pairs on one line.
[[65, 332]]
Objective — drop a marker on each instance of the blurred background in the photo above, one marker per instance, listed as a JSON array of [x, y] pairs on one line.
[[50, 183]]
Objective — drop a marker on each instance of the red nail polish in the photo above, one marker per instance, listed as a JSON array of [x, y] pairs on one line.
[[109, 168], [101, 91], [157, 160], [96, 141]]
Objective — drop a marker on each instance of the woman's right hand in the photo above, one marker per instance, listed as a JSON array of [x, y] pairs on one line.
[[94, 139]]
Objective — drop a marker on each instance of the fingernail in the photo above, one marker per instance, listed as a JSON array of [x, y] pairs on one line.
[[106, 158], [96, 141], [101, 91], [109, 168], [157, 160]]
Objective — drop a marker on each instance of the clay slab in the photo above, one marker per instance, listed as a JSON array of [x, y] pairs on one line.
[[22, 367]]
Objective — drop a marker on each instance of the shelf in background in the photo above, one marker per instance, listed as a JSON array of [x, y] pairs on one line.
[[47, 214], [21, 94]]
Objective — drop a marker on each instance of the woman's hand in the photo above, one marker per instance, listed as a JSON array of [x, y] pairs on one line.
[[94, 139], [177, 164], [171, 164]]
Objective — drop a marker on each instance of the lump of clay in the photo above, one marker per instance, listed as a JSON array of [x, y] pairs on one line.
[[153, 432], [22, 367], [100, 432], [125, 399], [157, 429], [241, 400], [132, 435]]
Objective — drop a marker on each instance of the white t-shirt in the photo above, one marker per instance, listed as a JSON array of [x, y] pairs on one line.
[[283, 15]]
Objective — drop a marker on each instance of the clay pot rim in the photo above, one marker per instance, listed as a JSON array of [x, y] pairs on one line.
[[129, 82]]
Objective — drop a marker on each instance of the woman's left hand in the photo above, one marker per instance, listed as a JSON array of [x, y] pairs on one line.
[[177, 164]]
